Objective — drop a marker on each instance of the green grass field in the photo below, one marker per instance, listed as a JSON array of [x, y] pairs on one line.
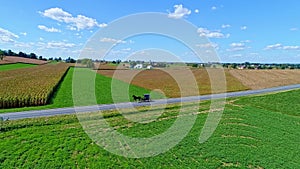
[[255, 132], [6, 67], [63, 96]]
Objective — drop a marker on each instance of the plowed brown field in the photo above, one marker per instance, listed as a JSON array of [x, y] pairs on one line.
[[15, 59], [175, 82], [259, 79]]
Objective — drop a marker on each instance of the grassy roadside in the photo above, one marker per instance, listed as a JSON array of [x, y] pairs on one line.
[[252, 134]]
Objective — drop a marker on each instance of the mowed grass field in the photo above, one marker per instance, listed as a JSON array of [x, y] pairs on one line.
[[177, 82], [63, 96], [13, 66], [253, 133]]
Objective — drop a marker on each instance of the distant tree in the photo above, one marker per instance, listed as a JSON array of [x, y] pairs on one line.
[[87, 62], [50, 58], [70, 60], [57, 59], [11, 53], [21, 54], [118, 61], [234, 65], [1, 55], [32, 56], [83, 61], [90, 63], [40, 57], [195, 65]]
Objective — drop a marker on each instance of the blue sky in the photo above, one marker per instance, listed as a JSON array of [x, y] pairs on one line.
[[248, 30]]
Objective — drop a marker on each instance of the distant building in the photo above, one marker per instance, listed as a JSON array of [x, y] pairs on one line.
[[138, 66], [149, 67]]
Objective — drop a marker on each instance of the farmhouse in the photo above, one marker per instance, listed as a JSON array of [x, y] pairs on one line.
[[149, 67], [138, 66]]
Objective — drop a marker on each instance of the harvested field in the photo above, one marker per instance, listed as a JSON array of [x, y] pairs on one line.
[[259, 79], [168, 80], [30, 86], [15, 59]]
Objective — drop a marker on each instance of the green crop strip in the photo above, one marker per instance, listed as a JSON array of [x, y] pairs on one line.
[[6, 67]]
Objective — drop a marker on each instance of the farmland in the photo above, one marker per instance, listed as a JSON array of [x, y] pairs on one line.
[[6, 67], [162, 80], [63, 96], [15, 59], [251, 134], [30, 86], [259, 79]]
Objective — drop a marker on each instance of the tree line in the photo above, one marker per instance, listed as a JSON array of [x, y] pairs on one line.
[[20, 54], [32, 55]]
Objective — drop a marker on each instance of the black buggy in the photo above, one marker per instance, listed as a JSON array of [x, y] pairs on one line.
[[146, 98]]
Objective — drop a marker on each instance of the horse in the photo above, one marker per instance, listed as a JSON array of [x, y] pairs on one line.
[[137, 98]]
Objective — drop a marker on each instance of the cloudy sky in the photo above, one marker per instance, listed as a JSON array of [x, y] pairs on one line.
[[239, 31]]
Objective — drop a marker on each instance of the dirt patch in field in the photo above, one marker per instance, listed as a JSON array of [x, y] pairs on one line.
[[259, 79], [15, 59], [176, 82]]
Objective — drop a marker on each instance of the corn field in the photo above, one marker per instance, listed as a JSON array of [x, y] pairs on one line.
[[30, 86]]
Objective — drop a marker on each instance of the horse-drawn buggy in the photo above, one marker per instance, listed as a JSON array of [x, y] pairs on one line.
[[146, 98]]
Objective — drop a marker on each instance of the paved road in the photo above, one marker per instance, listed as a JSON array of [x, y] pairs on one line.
[[72, 110]]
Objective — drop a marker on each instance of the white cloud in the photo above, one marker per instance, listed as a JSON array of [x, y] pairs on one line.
[[7, 36], [294, 29], [24, 33], [79, 22], [126, 49], [112, 40], [211, 34], [291, 47], [102, 25], [246, 41], [237, 55], [226, 26], [237, 47], [45, 28], [282, 47], [131, 41], [196, 10], [275, 46], [213, 8], [79, 35], [179, 12], [208, 45], [254, 54], [244, 27], [59, 45], [57, 14], [72, 28]]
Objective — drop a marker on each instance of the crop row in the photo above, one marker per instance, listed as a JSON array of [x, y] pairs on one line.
[[30, 86]]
